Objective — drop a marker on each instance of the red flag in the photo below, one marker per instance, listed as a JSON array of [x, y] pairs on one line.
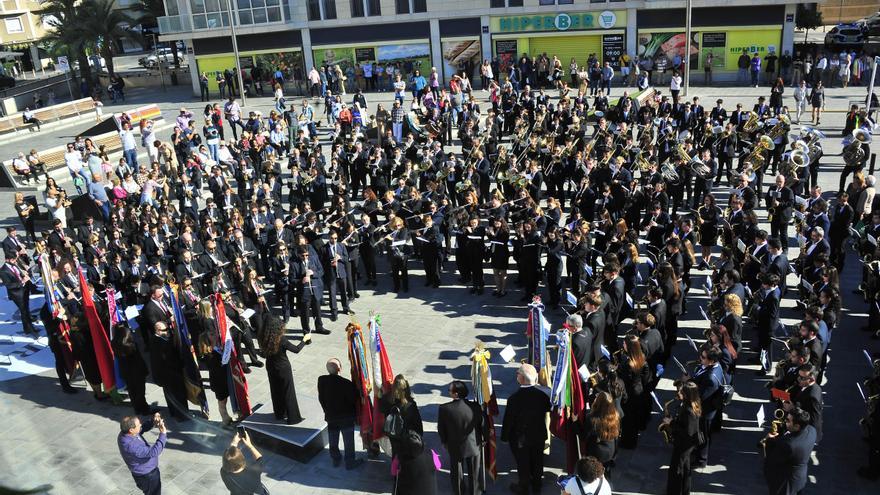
[[103, 352], [386, 378], [238, 383]]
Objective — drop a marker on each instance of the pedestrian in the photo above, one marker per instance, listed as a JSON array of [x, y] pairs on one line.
[[203, 87], [607, 76], [675, 86], [742, 64], [817, 101], [417, 467], [141, 458], [459, 425], [239, 476], [800, 99], [524, 429], [338, 398], [755, 69], [707, 68], [400, 403]]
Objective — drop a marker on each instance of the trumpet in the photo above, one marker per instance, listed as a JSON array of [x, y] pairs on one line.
[[775, 426]]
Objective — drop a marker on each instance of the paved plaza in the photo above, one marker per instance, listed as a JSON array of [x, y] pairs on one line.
[[69, 441]]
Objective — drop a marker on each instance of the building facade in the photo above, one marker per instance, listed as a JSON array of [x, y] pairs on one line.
[[20, 27], [455, 34]]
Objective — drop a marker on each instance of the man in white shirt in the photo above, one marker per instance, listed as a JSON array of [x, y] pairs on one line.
[[821, 67], [800, 99], [129, 146], [73, 159], [589, 479], [314, 83]]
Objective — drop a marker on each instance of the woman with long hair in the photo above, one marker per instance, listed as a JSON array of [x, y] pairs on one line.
[[209, 355], [629, 269], [636, 376], [671, 289], [400, 401], [684, 428], [498, 234], [601, 430], [276, 346], [732, 320]]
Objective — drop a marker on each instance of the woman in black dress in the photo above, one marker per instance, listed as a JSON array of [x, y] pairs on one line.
[[498, 234], [217, 373], [684, 428], [601, 429], [132, 368], [636, 377], [708, 216], [530, 260], [276, 346]]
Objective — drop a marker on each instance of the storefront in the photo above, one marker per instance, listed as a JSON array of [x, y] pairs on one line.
[[267, 51], [661, 38], [405, 56], [567, 35]]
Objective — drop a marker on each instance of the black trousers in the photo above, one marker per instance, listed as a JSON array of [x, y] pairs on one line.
[[779, 228], [23, 304], [399, 273], [369, 258], [150, 483], [678, 481], [529, 467], [338, 286], [310, 305], [137, 391], [844, 174], [724, 163], [431, 260], [456, 474], [175, 397], [353, 276]]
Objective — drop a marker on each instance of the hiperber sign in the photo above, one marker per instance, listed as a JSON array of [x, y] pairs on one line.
[[563, 21]]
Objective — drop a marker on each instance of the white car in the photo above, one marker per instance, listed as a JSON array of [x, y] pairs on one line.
[[165, 55]]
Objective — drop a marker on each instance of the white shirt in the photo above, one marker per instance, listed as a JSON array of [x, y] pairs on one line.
[[675, 83], [74, 161], [572, 487]]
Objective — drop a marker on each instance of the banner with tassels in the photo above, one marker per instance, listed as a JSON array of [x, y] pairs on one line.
[[360, 362], [484, 395], [383, 376], [537, 331], [567, 399]]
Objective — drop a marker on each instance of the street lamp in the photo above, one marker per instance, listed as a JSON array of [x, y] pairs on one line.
[[235, 54], [687, 48]]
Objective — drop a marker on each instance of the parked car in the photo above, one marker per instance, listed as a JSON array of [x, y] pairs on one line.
[[6, 82], [845, 35], [165, 55], [872, 25]]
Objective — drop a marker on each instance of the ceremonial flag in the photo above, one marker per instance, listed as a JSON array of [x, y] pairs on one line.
[[484, 395], [536, 330], [362, 377], [53, 297], [238, 386], [567, 399], [103, 352], [383, 376], [113, 310], [192, 378]]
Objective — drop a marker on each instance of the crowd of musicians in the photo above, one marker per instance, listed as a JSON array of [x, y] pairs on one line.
[[616, 203]]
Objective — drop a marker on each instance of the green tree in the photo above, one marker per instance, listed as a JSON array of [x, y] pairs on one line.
[[807, 19], [107, 26], [64, 35]]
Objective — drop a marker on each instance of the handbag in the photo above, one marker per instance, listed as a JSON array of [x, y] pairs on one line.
[[726, 391]]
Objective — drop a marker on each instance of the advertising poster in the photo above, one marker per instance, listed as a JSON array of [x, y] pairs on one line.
[[505, 50], [288, 62], [716, 44], [364, 54], [663, 48], [344, 57], [759, 41], [612, 49], [410, 57], [461, 56], [212, 65]]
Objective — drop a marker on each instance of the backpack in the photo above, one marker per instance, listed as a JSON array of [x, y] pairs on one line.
[[393, 426]]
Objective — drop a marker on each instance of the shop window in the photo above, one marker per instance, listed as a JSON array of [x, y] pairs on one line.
[[329, 9]]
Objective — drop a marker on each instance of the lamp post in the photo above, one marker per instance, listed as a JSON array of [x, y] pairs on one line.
[[235, 54], [687, 48]]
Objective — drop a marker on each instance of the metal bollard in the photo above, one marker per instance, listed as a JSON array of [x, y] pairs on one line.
[[873, 163]]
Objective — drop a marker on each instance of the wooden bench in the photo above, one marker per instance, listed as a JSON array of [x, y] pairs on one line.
[[46, 115], [53, 158]]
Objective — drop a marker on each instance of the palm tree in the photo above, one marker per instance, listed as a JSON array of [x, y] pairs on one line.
[[64, 34], [107, 26]]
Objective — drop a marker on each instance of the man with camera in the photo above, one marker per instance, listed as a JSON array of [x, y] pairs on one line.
[[142, 458]]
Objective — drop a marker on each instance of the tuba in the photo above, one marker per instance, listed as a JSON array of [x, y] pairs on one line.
[[853, 153], [752, 124], [780, 127], [669, 174], [700, 169]]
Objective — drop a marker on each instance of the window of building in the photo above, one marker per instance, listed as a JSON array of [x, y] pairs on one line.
[[514, 3], [13, 25], [258, 11], [209, 14], [410, 6], [365, 8], [497, 4], [329, 9], [314, 9]]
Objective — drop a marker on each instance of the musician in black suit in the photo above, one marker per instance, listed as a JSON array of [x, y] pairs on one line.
[[657, 224], [18, 288], [615, 288], [12, 246], [817, 245], [768, 316], [788, 454], [777, 261], [334, 257], [399, 251], [338, 398], [841, 221], [459, 425], [594, 318], [156, 308], [807, 396], [306, 276], [658, 309], [781, 199], [166, 367], [524, 428]]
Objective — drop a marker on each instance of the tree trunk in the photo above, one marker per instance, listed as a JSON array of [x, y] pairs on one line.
[[85, 72]]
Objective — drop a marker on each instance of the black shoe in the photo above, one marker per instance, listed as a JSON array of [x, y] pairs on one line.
[[322, 331], [101, 397], [257, 364], [480, 291], [69, 390], [337, 461], [473, 290], [246, 370], [761, 372], [348, 311], [356, 295], [332, 318], [295, 421]]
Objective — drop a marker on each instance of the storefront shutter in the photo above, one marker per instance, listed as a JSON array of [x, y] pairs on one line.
[[565, 47]]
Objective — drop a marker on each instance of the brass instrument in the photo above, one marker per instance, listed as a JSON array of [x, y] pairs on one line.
[[463, 186], [443, 173], [682, 153], [853, 153], [669, 173], [520, 181], [308, 179], [756, 159], [699, 168], [668, 412], [780, 127], [775, 426], [642, 163], [751, 125]]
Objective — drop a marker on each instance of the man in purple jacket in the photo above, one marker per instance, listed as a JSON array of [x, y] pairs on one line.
[[142, 458]]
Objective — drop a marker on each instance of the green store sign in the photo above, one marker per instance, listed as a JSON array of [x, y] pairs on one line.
[[559, 22]]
